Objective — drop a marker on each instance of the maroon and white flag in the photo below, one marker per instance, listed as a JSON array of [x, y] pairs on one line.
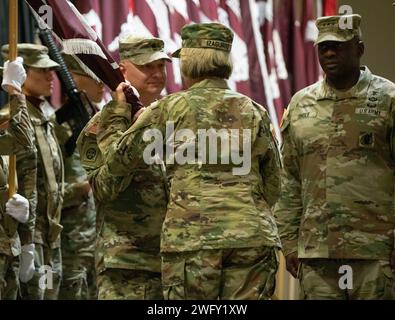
[[272, 50], [79, 39], [310, 32], [229, 13], [273, 54]]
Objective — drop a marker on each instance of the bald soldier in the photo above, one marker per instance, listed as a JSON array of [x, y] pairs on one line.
[[219, 238], [130, 209], [336, 210], [49, 184], [16, 137]]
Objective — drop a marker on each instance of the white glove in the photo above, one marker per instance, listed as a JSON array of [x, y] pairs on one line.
[[26, 267], [14, 74], [18, 208]]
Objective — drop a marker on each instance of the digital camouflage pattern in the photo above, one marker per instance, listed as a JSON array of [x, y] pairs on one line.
[[10, 244], [336, 28], [79, 227], [44, 258], [34, 55], [9, 277], [371, 280], [130, 209], [337, 198], [230, 274], [73, 65], [142, 50], [49, 198], [209, 207], [49, 203], [16, 133], [122, 284], [26, 165], [206, 35], [78, 236], [16, 137]]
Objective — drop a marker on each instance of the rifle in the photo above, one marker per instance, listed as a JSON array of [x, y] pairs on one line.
[[78, 110], [67, 25], [75, 112]]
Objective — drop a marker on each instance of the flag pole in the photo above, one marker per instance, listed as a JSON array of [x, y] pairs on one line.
[[13, 41]]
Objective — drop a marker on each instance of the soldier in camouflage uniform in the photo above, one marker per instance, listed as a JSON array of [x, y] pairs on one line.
[[219, 239], [47, 252], [78, 212], [130, 209], [337, 201], [16, 137]]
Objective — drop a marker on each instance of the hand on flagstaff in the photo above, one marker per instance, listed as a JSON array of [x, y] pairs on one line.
[[18, 208], [119, 94], [14, 76]]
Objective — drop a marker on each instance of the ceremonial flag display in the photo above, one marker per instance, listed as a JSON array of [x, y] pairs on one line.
[[267, 34], [80, 40]]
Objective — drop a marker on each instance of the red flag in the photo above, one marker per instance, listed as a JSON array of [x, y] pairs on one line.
[[266, 13], [281, 65], [79, 39], [193, 11], [230, 15], [260, 82], [284, 23], [209, 9], [131, 6], [330, 7], [144, 11], [90, 10], [178, 17], [298, 54], [256, 80], [96, 14], [310, 34], [159, 13]]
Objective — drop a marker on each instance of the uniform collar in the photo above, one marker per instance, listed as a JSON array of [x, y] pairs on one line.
[[36, 102], [35, 111], [211, 83], [325, 91]]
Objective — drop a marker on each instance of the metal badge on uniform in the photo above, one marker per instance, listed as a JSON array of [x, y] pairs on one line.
[[307, 112], [373, 112], [372, 100], [91, 154], [366, 139]]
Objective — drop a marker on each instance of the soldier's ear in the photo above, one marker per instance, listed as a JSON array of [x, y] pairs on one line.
[[361, 48]]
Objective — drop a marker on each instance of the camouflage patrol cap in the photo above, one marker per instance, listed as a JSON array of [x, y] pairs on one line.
[[142, 50], [206, 35], [73, 65], [34, 55], [338, 28]]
